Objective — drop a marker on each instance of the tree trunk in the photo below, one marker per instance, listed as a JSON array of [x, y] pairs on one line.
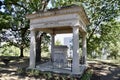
[[38, 49], [21, 51], [38, 46], [115, 56]]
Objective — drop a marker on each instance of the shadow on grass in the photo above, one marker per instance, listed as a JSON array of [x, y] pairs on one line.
[[51, 75], [105, 71], [17, 67]]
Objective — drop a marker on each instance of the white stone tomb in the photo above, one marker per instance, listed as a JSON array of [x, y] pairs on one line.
[[72, 19]]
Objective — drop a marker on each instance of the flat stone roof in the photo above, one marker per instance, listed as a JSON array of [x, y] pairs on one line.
[[62, 11]]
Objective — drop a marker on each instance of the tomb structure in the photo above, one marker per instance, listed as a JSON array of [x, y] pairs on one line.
[[72, 19]]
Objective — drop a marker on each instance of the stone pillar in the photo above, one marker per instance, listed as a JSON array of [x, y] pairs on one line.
[[84, 48], [32, 49], [52, 46], [75, 62]]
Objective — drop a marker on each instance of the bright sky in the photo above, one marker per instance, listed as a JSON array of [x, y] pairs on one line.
[[49, 4]]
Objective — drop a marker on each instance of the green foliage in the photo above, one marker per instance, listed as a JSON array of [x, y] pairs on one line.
[[87, 75], [33, 72], [104, 28], [63, 3], [45, 42], [21, 71], [4, 20], [9, 50], [102, 15], [57, 42], [17, 32], [48, 75], [114, 50], [18, 25], [34, 5]]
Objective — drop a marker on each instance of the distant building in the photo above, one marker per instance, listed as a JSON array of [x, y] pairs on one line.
[[68, 42], [65, 39]]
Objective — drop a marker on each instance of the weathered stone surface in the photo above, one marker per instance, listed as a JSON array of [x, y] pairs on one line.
[[56, 21]]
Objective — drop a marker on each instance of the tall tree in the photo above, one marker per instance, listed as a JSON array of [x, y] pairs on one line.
[[99, 12], [17, 33], [19, 24]]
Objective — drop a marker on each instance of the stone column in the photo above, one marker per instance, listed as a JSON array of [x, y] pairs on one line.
[[75, 62], [52, 45], [32, 49], [84, 48]]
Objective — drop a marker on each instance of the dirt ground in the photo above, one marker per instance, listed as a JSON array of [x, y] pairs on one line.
[[104, 71], [9, 71], [101, 70]]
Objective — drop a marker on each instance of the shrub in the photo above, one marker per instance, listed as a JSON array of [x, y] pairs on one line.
[[87, 75]]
